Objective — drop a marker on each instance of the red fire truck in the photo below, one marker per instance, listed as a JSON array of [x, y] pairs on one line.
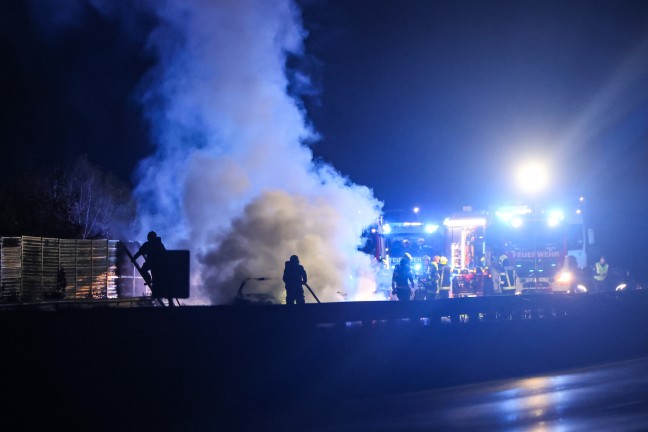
[[543, 248]]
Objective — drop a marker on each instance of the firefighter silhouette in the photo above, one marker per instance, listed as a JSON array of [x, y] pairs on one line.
[[152, 250], [402, 279], [294, 277]]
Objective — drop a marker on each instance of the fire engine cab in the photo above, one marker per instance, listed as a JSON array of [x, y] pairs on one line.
[[541, 248]]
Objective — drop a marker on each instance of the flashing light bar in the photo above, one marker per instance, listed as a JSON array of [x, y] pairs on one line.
[[430, 228], [510, 211], [408, 224], [555, 217], [468, 222], [505, 216]]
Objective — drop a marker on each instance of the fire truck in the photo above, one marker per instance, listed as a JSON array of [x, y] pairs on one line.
[[416, 238], [545, 248], [393, 239]]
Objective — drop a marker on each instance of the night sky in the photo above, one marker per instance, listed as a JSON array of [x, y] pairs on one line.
[[434, 103], [429, 103]]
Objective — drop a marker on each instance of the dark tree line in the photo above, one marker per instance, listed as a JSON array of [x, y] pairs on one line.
[[82, 201]]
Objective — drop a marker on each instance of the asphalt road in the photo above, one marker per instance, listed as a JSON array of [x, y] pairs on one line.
[[275, 368], [610, 397]]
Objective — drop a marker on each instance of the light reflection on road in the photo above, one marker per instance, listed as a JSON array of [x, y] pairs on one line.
[[612, 397]]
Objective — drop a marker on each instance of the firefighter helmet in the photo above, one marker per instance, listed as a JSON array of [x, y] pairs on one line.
[[294, 259], [443, 260], [152, 235], [407, 257]]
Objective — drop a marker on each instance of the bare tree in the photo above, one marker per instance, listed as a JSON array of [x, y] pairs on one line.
[[81, 202], [97, 202]]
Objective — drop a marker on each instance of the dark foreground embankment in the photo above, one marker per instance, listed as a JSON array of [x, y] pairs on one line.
[[197, 368]]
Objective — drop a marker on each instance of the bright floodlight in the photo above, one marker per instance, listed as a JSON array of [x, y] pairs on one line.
[[555, 217], [386, 229], [416, 209], [516, 222], [532, 177], [504, 215], [430, 228]]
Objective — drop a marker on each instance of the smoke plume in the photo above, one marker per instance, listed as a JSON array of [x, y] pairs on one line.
[[232, 179]]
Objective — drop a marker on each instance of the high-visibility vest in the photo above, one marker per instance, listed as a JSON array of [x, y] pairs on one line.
[[444, 278], [601, 271], [507, 276]]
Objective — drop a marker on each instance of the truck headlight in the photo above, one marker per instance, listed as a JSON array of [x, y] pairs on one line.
[[564, 277]]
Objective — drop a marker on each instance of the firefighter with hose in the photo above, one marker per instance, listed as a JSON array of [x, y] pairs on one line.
[[294, 276]]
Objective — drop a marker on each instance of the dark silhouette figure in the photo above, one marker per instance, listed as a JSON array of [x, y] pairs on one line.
[[402, 279], [487, 283], [61, 283], [153, 251], [294, 277]]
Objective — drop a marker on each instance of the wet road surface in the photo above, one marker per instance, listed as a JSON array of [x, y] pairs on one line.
[[609, 397]]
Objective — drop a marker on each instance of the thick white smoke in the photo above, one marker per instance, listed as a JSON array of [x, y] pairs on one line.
[[231, 179]]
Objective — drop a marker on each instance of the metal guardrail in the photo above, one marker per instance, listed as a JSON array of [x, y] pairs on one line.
[[377, 314], [468, 310]]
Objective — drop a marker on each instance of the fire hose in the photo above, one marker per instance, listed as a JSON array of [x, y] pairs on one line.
[[240, 290], [311, 291]]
